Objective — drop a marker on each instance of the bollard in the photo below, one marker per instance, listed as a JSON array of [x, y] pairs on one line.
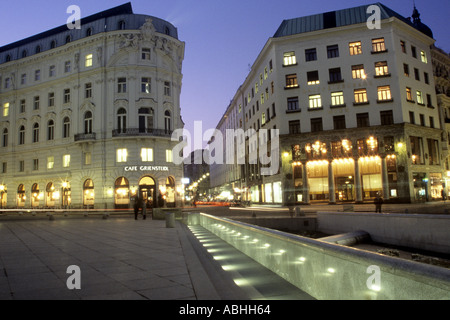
[[105, 216], [170, 220], [298, 212], [51, 217]]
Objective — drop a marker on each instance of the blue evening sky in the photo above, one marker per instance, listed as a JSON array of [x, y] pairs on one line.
[[222, 37]]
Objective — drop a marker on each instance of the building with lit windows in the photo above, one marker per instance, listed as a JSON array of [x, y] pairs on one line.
[[355, 107], [87, 114]]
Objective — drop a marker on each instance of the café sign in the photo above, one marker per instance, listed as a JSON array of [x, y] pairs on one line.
[[146, 168]]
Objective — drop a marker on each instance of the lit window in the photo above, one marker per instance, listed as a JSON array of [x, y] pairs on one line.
[[355, 48], [122, 155], [381, 68], [315, 101], [378, 45], [313, 77], [409, 94], [88, 61], [50, 162], [419, 97], [358, 72], [337, 98], [6, 109], [289, 58], [169, 155], [147, 154], [66, 160], [384, 93], [423, 56], [291, 81], [360, 95]]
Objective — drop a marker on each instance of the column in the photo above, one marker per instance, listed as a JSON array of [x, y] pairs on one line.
[[331, 186], [384, 177], [358, 187], [305, 183]]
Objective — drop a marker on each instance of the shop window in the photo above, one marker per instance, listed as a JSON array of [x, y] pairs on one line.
[[88, 193]]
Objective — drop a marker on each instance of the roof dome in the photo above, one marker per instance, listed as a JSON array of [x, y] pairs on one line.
[[419, 25]]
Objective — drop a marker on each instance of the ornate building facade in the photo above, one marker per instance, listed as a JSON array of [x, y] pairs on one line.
[[87, 114], [355, 108]]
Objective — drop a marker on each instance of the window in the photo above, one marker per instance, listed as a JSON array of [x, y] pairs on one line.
[[422, 120], [429, 101], [53, 44], [4, 167], [88, 90], [23, 78], [425, 78], [7, 83], [413, 52], [146, 85], [416, 74], [22, 135], [147, 154], [360, 96], [5, 138], [291, 81], [122, 120], [423, 57], [315, 101], [87, 158], [339, 122], [355, 48], [358, 72], [88, 60], [431, 122], [313, 77], [417, 152], [167, 122], [411, 118], [419, 97], [51, 99], [294, 127], [409, 94], [292, 104], [66, 95], [386, 117], [169, 155], [88, 122], [289, 59], [35, 164], [68, 39], [145, 54], [122, 155], [333, 51], [36, 103], [89, 32], [381, 69], [335, 75], [337, 98], [51, 71], [121, 85], [362, 120], [50, 130], [35, 133], [67, 66], [22, 105], [384, 93], [167, 88], [6, 109], [21, 166], [66, 160], [316, 125], [378, 45], [50, 162], [403, 46], [406, 70], [121, 25], [263, 118], [433, 151], [37, 75], [310, 54], [66, 127]]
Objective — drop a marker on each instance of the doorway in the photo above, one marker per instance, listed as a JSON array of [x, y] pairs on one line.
[[344, 188], [147, 191]]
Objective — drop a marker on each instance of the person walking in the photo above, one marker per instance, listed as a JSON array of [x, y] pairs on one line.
[[378, 202]]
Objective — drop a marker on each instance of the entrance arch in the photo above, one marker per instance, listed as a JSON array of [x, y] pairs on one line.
[[147, 190], [122, 193], [21, 197], [88, 193], [35, 196]]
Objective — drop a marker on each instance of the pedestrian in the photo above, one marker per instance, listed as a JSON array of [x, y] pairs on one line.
[[144, 209], [378, 202], [136, 207]]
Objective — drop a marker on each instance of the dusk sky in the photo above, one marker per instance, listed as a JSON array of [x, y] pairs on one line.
[[223, 38]]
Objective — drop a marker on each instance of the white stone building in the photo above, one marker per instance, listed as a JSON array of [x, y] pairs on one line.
[[355, 108], [87, 114]]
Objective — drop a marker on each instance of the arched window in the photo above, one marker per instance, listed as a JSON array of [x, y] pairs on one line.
[[122, 120], [167, 122], [24, 53], [8, 58], [38, 49], [88, 193], [5, 137], [167, 31], [68, 39], [89, 32], [53, 44], [66, 127], [22, 135], [36, 132], [50, 130], [88, 122], [121, 25]]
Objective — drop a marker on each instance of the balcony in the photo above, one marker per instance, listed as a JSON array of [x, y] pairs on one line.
[[85, 137], [141, 132]]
